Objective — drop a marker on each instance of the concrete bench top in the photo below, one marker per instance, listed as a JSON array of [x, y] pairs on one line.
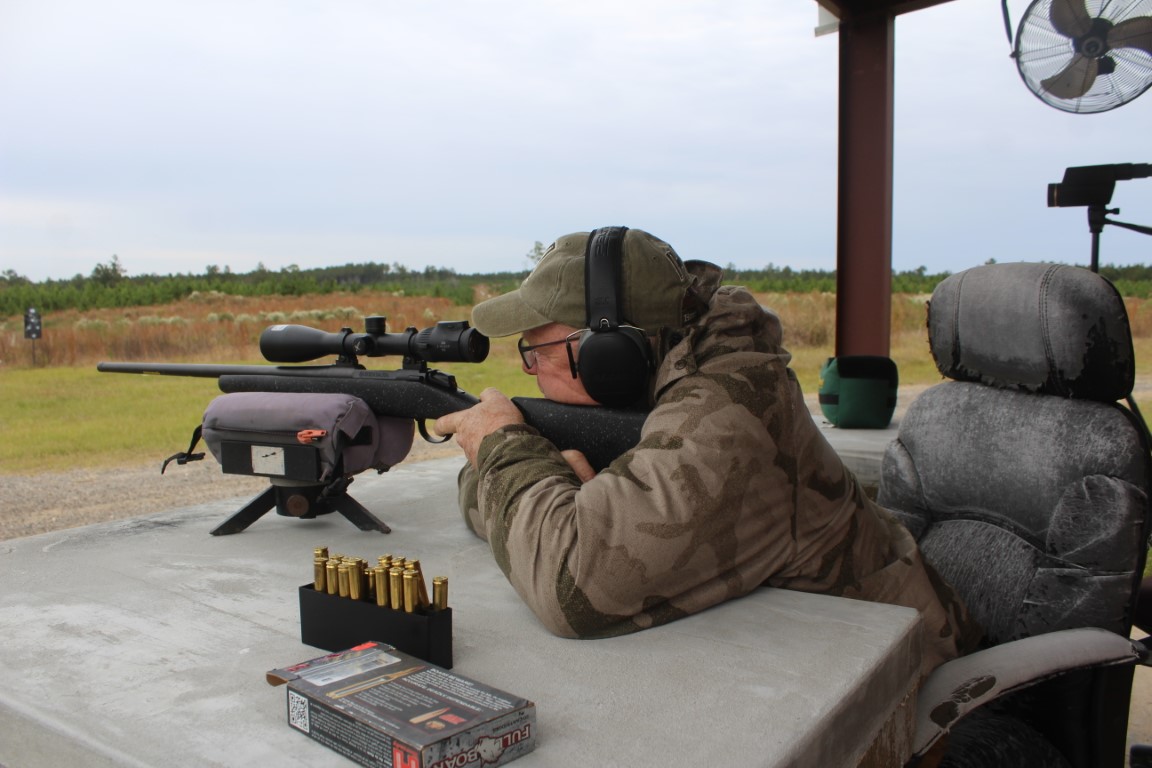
[[144, 642]]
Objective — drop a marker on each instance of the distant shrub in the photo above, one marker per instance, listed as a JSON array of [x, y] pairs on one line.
[[86, 324]]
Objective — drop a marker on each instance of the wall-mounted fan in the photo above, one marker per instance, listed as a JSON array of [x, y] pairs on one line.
[[1086, 55]]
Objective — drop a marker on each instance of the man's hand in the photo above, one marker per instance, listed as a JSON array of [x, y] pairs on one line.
[[579, 464], [471, 426]]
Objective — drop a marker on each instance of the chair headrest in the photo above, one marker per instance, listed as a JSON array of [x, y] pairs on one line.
[[1047, 328]]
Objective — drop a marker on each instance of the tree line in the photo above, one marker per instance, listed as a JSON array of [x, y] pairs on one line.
[[108, 285]]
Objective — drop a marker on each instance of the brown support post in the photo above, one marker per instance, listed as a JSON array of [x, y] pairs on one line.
[[864, 215]]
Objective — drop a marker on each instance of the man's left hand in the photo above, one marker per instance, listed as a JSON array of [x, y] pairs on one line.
[[471, 426]]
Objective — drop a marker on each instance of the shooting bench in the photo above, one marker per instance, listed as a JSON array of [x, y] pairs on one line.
[[144, 642]]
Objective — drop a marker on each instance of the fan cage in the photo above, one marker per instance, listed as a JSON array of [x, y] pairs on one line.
[[1042, 52]]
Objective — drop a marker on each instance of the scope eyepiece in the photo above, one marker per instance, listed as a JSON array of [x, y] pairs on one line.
[[451, 341]]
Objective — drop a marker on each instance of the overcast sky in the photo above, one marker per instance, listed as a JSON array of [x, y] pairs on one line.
[[181, 134]]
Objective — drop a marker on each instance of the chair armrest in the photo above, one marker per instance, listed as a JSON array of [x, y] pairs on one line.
[[957, 687]]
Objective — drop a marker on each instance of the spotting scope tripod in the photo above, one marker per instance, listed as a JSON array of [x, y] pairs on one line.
[[1092, 186]]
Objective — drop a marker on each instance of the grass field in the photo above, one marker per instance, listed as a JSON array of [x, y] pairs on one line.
[[62, 414]]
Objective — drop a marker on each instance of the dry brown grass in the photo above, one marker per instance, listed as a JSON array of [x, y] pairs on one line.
[[809, 321], [212, 326], [220, 328]]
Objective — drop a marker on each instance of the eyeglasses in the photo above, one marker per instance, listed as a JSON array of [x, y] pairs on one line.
[[528, 351]]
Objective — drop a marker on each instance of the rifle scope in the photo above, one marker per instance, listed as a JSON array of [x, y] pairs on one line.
[[449, 341]]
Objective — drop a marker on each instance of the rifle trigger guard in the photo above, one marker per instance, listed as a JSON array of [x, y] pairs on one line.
[[427, 437]]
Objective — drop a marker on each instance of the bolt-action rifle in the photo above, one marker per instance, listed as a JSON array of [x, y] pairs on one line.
[[413, 391]]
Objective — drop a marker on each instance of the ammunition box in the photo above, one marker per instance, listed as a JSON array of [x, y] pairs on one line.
[[335, 623], [385, 709]]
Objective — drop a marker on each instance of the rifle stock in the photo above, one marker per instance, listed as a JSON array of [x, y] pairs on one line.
[[602, 434]]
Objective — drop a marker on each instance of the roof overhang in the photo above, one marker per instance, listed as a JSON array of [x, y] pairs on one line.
[[846, 9]]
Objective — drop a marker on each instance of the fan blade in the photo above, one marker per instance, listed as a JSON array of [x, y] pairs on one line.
[[1133, 33], [1070, 17], [1074, 81]]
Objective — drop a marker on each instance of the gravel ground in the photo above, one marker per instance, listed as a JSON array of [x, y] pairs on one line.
[[32, 504]]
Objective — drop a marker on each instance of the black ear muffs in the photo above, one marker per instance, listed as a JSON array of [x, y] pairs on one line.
[[615, 361]]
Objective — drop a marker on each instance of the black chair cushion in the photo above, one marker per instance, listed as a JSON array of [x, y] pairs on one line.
[[1046, 328], [1030, 506]]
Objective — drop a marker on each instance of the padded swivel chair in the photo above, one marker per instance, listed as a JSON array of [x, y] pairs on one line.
[[1026, 485]]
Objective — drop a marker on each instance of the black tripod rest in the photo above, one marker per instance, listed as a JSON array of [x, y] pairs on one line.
[[304, 502]]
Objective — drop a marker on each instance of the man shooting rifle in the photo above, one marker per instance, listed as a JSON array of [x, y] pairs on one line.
[[731, 487]]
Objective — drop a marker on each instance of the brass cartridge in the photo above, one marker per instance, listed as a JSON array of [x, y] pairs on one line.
[[342, 575], [331, 578], [318, 574], [380, 585], [364, 573], [369, 582], [320, 553], [355, 581], [396, 588], [418, 578], [349, 561], [440, 592], [411, 595]]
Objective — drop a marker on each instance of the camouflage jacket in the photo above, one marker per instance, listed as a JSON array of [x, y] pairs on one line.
[[731, 487]]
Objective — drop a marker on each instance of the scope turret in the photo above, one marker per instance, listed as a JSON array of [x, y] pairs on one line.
[[451, 341]]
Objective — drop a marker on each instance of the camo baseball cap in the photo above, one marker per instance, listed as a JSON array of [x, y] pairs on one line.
[[654, 286]]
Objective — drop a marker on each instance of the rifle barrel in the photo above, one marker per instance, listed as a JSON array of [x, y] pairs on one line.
[[209, 371]]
